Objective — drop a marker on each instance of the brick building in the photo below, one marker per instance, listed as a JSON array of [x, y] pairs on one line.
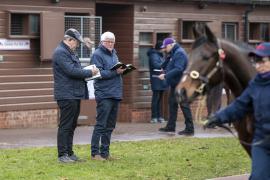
[[30, 30]]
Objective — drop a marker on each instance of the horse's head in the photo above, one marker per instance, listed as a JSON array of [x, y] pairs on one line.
[[205, 62]]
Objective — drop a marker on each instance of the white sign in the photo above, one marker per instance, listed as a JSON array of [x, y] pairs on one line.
[[7, 44]]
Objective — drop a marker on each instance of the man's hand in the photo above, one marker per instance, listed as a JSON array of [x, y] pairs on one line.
[[94, 71], [212, 122], [161, 76], [120, 70]]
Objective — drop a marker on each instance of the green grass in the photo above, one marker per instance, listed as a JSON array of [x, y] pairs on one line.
[[181, 158]]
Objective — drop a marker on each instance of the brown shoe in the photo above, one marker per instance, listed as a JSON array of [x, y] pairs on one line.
[[112, 158], [98, 158]]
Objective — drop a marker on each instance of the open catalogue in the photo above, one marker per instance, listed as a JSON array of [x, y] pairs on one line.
[[128, 67], [90, 67]]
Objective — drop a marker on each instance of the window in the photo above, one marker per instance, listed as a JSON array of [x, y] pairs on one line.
[[147, 40], [162, 36], [259, 31], [229, 31], [88, 26], [187, 30], [264, 31], [23, 24], [145, 43]]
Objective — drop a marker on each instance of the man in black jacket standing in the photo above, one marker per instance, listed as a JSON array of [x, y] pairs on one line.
[[69, 88]]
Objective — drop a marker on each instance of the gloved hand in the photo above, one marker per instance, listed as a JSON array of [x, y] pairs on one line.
[[212, 122]]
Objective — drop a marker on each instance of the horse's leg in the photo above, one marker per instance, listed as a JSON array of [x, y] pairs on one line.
[[245, 133]]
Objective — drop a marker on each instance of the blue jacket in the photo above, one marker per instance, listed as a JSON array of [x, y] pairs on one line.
[[155, 62], [68, 74], [254, 99], [175, 65], [110, 85]]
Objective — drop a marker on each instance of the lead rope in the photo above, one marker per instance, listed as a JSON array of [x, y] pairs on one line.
[[199, 109], [244, 142]]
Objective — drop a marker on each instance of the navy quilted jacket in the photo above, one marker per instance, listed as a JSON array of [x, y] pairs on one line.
[[175, 65], [110, 85], [254, 99], [68, 74], [155, 62]]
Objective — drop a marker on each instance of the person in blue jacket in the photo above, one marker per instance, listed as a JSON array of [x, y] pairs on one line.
[[108, 94], [255, 99], [158, 86], [174, 65], [69, 88]]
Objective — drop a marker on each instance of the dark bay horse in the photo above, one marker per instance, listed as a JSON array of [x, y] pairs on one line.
[[213, 61]]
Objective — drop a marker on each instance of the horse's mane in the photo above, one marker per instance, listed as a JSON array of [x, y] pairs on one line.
[[244, 47], [199, 41]]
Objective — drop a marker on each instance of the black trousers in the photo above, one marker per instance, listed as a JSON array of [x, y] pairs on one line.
[[156, 104], [173, 108], [69, 113]]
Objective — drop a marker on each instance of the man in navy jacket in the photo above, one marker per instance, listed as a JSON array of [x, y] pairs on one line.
[[255, 99], [174, 66], [158, 86], [108, 93], [69, 88]]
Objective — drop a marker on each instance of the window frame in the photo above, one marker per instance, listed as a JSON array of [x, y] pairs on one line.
[[258, 37], [27, 25], [150, 45], [144, 45], [181, 26], [236, 30]]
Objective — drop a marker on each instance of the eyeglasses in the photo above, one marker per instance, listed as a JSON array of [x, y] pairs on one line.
[[257, 61], [109, 42]]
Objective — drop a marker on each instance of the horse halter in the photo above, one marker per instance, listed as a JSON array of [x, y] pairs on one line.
[[205, 79]]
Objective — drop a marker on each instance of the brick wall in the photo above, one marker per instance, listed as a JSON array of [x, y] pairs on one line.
[[124, 113], [27, 119]]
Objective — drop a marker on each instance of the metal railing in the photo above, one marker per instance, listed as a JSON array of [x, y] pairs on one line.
[[88, 26]]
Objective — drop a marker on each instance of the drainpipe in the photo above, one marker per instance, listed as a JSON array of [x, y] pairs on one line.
[[246, 25]]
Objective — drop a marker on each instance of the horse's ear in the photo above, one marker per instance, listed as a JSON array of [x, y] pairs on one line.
[[198, 30], [209, 34]]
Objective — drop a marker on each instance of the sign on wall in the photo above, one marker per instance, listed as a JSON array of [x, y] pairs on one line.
[[8, 44]]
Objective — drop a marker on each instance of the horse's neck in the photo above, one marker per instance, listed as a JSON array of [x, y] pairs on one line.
[[239, 70]]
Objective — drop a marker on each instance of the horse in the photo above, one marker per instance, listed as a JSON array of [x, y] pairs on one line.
[[213, 61]]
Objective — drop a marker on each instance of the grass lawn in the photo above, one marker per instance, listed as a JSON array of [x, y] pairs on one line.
[[181, 158]]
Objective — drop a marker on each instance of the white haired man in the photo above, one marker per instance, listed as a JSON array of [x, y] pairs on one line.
[[108, 94]]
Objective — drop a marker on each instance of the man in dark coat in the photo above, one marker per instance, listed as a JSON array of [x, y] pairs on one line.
[[158, 86], [69, 88], [174, 66], [108, 93]]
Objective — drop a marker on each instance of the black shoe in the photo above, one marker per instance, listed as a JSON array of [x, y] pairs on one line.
[[165, 129], [65, 159], [186, 132], [76, 158]]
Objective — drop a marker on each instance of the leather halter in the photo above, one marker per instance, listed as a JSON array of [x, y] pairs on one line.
[[205, 79]]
